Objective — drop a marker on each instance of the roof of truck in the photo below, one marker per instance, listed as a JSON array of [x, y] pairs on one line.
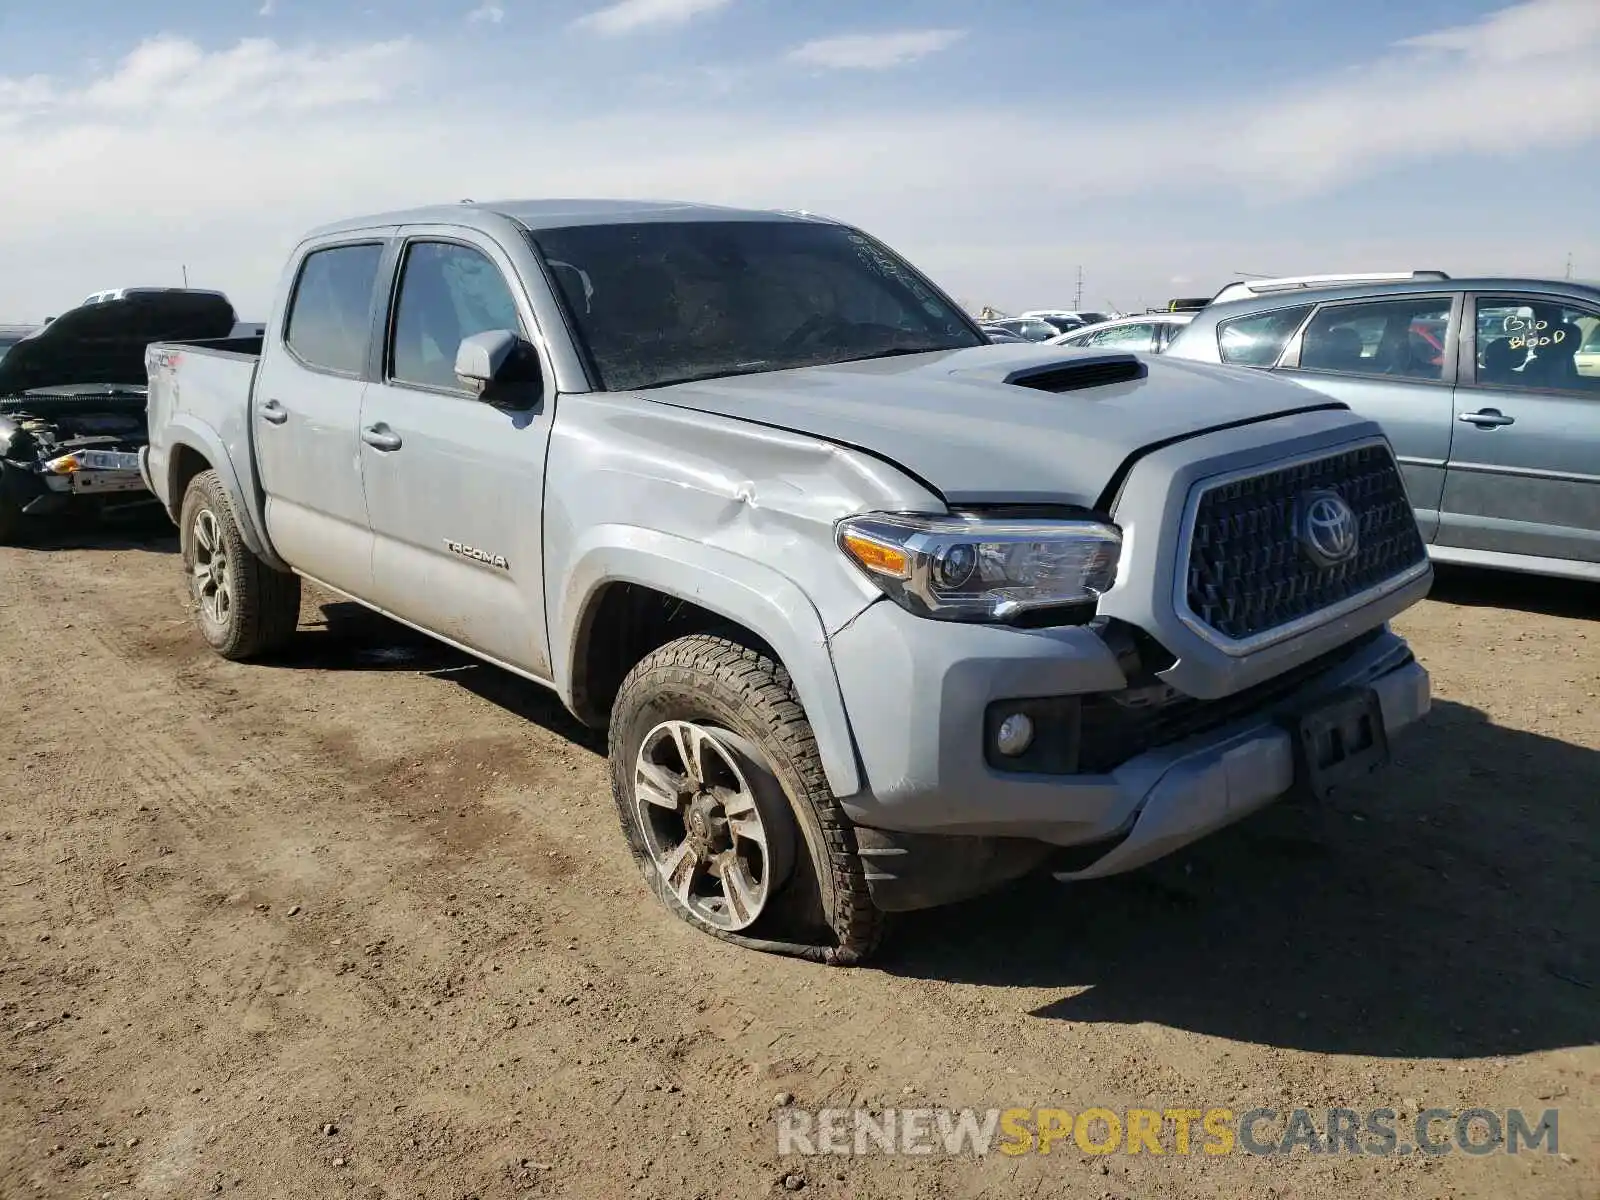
[[555, 214]]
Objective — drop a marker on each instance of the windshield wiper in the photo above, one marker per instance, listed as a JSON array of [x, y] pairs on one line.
[[897, 351], [752, 368], [761, 365]]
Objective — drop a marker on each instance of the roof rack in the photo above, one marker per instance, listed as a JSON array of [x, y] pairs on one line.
[[1290, 283]]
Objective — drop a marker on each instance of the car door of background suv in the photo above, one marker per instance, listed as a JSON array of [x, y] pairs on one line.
[[1524, 471], [455, 484], [1390, 358]]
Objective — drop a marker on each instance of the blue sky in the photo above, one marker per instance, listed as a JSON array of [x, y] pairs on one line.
[[1163, 146]]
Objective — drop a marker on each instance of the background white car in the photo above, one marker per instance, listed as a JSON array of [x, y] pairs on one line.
[[1147, 333]]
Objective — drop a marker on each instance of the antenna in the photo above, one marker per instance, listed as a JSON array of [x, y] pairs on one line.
[[1077, 303], [185, 276], [1569, 264]]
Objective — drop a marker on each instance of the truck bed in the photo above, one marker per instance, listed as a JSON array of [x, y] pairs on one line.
[[200, 386]]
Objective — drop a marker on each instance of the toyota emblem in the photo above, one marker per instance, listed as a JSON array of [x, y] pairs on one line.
[[1328, 528]]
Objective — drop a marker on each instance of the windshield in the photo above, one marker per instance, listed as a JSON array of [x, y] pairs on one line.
[[6, 343], [670, 302]]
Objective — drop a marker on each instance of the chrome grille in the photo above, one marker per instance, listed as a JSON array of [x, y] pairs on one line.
[[1248, 571]]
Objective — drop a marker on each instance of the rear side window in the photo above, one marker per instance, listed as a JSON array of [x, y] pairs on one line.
[[1258, 340], [330, 319]]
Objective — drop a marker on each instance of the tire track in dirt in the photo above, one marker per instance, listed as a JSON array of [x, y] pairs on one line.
[[193, 775]]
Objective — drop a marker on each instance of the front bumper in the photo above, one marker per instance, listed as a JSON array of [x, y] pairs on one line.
[[44, 493], [1220, 781], [916, 692], [95, 483], [95, 473]]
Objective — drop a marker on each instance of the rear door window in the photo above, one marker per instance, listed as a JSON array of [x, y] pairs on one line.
[[330, 317], [1258, 339]]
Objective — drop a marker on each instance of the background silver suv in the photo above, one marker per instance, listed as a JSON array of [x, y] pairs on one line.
[[1488, 389]]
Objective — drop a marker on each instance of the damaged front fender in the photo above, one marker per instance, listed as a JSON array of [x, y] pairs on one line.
[[734, 517], [747, 593]]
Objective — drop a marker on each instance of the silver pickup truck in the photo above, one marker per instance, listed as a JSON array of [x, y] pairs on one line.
[[878, 614]]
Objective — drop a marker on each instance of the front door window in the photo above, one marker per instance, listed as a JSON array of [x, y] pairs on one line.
[[1530, 342]]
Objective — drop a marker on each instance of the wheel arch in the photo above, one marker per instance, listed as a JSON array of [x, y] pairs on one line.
[[658, 587], [194, 448]]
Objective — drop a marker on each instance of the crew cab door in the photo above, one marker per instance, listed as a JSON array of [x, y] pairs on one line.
[[1524, 472], [455, 483], [1392, 360], [304, 413]]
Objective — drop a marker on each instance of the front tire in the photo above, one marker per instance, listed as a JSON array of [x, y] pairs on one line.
[[721, 794], [244, 608]]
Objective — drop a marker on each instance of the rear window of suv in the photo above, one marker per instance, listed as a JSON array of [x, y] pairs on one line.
[[1258, 339]]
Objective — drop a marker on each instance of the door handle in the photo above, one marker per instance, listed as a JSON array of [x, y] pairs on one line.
[[380, 437], [1487, 418], [274, 411]]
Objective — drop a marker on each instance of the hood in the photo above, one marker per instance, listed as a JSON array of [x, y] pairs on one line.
[[1003, 424], [105, 343]]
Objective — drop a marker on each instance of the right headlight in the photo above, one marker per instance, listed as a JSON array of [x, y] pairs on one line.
[[975, 568]]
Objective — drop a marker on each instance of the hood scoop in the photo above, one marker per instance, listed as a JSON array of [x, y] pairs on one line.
[[1099, 371]]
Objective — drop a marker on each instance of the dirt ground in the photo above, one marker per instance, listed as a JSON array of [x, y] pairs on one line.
[[362, 924]]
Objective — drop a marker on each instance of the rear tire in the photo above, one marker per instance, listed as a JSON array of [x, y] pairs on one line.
[[801, 888], [244, 608]]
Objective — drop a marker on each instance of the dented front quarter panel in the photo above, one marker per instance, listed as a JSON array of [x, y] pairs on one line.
[[734, 517]]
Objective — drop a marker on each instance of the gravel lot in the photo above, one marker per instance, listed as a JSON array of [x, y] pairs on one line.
[[362, 923]]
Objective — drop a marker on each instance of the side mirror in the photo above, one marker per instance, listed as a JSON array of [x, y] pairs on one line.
[[497, 361]]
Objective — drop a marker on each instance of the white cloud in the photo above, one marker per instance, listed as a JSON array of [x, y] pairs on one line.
[[220, 158], [267, 9], [629, 16], [174, 75], [489, 14], [1520, 32], [875, 51]]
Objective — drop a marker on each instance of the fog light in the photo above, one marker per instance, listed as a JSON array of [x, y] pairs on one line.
[[1014, 736]]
